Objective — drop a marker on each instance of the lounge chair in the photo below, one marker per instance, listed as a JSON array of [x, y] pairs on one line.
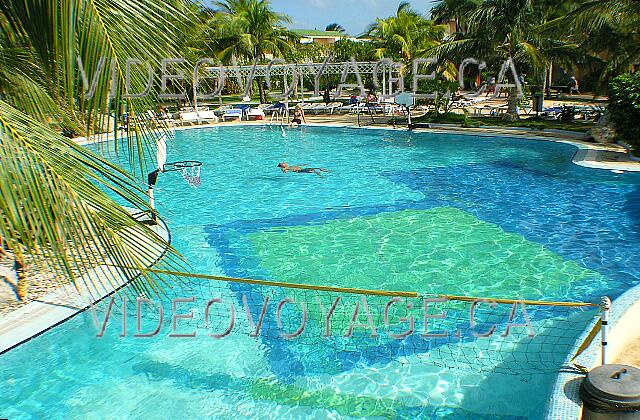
[[255, 114], [207, 116], [233, 113], [316, 108], [492, 110], [277, 107], [190, 118], [552, 112], [271, 108], [462, 102], [221, 109], [353, 108], [331, 106], [307, 105]]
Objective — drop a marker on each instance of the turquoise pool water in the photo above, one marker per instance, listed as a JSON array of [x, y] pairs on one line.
[[432, 213]]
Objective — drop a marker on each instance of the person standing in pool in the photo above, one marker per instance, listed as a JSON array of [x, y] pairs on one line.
[[298, 116], [285, 168]]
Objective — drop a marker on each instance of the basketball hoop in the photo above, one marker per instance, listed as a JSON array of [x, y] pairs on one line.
[[189, 169]]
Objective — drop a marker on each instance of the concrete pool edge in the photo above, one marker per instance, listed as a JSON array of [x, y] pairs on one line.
[[41, 315], [564, 401]]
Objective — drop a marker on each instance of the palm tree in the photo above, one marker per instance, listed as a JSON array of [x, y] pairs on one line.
[[405, 36], [609, 29], [454, 10], [334, 27], [55, 209], [502, 29], [249, 29]]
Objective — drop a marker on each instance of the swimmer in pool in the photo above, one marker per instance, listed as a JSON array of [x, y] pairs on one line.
[[284, 167]]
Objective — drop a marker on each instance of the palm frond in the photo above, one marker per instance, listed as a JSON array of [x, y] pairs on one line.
[[55, 206]]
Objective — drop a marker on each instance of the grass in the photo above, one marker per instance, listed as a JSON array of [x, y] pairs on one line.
[[530, 122], [535, 123]]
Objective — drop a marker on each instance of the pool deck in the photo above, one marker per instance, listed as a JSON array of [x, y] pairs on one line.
[[624, 317], [56, 307]]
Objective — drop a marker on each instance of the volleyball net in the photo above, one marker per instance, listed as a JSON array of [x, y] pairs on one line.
[[322, 328]]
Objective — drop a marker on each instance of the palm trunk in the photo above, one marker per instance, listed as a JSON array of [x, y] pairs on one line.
[[550, 79], [263, 97], [512, 104], [22, 286]]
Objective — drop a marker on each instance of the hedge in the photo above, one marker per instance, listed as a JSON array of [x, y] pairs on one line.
[[624, 108]]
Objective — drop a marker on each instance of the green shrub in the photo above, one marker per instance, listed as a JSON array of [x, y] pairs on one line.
[[537, 125], [448, 118], [470, 123], [624, 107], [452, 117], [568, 114]]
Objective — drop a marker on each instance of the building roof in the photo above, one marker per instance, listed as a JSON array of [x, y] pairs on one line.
[[314, 33]]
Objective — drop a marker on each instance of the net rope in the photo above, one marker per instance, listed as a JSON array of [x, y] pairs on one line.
[[191, 175], [322, 328], [188, 169]]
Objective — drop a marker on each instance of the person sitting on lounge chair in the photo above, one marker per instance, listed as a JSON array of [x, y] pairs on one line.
[[285, 168]]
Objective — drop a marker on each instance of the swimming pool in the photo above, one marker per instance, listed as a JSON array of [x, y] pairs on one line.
[[434, 213]]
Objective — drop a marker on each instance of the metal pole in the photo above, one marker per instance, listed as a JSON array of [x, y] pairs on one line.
[[152, 178], [605, 305], [195, 96], [390, 87], [384, 92], [286, 99]]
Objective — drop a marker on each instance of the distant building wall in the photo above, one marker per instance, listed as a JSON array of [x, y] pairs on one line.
[[313, 36]]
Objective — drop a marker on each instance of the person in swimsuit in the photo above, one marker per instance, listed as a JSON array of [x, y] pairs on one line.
[[298, 116], [285, 168]]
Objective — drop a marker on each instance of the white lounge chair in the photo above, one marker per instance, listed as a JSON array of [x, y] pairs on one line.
[[208, 116], [329, 108], [355, 108], [256, 114], [233, 113], [316, 108], [307, 105], [221, 109], [190, 118]]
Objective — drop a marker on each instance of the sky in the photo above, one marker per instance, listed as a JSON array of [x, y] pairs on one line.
[[353, 15]]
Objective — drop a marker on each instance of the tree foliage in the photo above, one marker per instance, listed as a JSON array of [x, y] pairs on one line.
[[345, 49], [405, 36], [335, 27], [624, 107], [54, 208]]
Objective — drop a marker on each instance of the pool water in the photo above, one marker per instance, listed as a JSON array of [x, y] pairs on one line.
[[431, 213]]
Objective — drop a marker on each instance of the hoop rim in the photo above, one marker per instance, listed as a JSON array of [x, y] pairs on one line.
[[183, 164]]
